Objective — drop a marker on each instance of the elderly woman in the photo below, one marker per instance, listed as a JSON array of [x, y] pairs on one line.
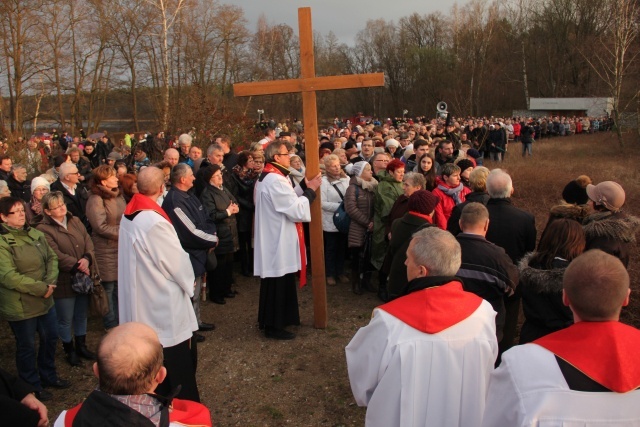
[[333, 188], [221, 207], [245, 178], [297, 169], [105, 207], [388, 191], [358, 202], [4, 189], [39, 187], [70, 241], [412, 182], [28, 274]]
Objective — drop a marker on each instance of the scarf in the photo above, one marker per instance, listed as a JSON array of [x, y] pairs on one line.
[[247, 176], [370, 185], [454, 193], [280, 170], [36, 206]]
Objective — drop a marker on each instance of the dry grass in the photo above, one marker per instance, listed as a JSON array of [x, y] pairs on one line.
[[247, 380]]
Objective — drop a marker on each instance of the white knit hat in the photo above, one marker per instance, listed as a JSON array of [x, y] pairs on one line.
[[38, 181]]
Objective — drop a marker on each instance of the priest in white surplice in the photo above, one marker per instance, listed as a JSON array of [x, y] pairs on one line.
[[585, 375], [425, 358]]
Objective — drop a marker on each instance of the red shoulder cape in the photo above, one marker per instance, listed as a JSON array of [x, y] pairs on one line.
[[143, 203], [606, 352], [435, 309]]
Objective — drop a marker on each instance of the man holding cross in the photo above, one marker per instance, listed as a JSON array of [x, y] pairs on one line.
[[279, 240]]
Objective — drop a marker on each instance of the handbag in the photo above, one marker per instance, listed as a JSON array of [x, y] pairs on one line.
[[81, 283], [341, 218], [99, 303]]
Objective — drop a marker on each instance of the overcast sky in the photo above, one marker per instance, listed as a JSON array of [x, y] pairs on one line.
[[344, 17]]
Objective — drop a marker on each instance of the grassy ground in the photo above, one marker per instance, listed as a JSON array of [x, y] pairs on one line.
[[247, 380]]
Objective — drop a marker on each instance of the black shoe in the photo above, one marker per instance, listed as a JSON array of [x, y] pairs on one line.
[[199, 338], [72, 357], [230, 294], [43, 395], [60, 383], [247, 273], [82, 350], [279, 334], [204, 327], [220, 301]]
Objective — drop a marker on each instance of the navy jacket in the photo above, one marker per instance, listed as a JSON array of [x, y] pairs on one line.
[[197, 233]]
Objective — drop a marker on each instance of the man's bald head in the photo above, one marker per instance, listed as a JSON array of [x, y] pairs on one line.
[[129, 360], [172, 156], [596, 286], [150, 181]]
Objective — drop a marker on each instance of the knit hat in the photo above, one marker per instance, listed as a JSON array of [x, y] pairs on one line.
[[472, 152], [358, 168], [391, 142], [114, 156], [575, 192], [38, 181], [608, 193], [423, 201], [465, 164]]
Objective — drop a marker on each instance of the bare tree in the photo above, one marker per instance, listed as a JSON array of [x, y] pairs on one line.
[[612, 62]]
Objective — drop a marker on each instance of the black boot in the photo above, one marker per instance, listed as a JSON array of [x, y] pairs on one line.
[[382, 287], [81, 348], [72, 357], [366, 282]]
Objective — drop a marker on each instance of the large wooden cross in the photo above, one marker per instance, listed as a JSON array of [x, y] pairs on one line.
[[308, 84]]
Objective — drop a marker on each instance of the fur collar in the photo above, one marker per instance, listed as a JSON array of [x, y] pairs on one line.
[[540, 281], [104, 192], [569, 211], [618, 226]]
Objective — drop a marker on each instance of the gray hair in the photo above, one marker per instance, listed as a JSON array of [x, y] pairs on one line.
[[415, 179], [212, 148], [473, 214], [185, 139], [274, 148], [3, 186], [179, 171], [65, 169], [499, 184], [438, 251], [330, 159], [17, 166], [150, 180]]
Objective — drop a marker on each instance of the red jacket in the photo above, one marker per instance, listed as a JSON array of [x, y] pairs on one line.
[[446, 205]]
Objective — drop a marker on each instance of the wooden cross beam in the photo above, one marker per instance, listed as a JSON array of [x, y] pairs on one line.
[[308, 84]]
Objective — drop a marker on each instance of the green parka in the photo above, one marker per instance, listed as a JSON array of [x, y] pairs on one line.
[[27, 266]]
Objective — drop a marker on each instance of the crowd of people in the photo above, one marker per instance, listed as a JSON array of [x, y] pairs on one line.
[[159, 222]]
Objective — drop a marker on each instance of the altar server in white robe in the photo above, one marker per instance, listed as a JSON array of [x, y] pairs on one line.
[[425, 358], [280, 250], [586, 375]]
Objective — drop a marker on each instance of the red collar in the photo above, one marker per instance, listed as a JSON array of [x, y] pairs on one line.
[[604, 351], [435, 309], [140, 203], [423, 216]]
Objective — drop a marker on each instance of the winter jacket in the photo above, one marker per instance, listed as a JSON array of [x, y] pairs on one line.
[[511, 228], [27, 266], [614, 233], [386, 194], [216, 202], [331, 199], [70, 245], [196, 231], [104, 212], [76, 204], [453, 225], [359, 206], [244, 195], [488, 272], [542, 304], [567, 211], [446, 204]]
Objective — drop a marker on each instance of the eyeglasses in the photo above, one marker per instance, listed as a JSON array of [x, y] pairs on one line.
[[73, 173], [57, 207], [282, 154], [383, 160], [16, 212]]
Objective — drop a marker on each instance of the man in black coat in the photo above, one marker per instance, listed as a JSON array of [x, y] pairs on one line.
[[75, 194], [515, 231], [486, 269], [17, 183], [215, 156]]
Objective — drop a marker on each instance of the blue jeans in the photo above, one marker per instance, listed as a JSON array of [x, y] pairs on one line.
[[24, 331], [111, 319], [526, 148], [70, 311]]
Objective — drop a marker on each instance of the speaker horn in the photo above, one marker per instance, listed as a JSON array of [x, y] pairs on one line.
[[441, 107]]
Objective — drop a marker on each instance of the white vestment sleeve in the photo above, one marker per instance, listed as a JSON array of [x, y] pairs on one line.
[[288, 203], [504, 401], [367, 358]]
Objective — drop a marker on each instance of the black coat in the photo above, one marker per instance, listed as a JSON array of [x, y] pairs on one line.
[[511, 228], [244, 195], [488, 272], [401, 232], [216, 202], [21, 190], [453, 226], [76, 205]]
